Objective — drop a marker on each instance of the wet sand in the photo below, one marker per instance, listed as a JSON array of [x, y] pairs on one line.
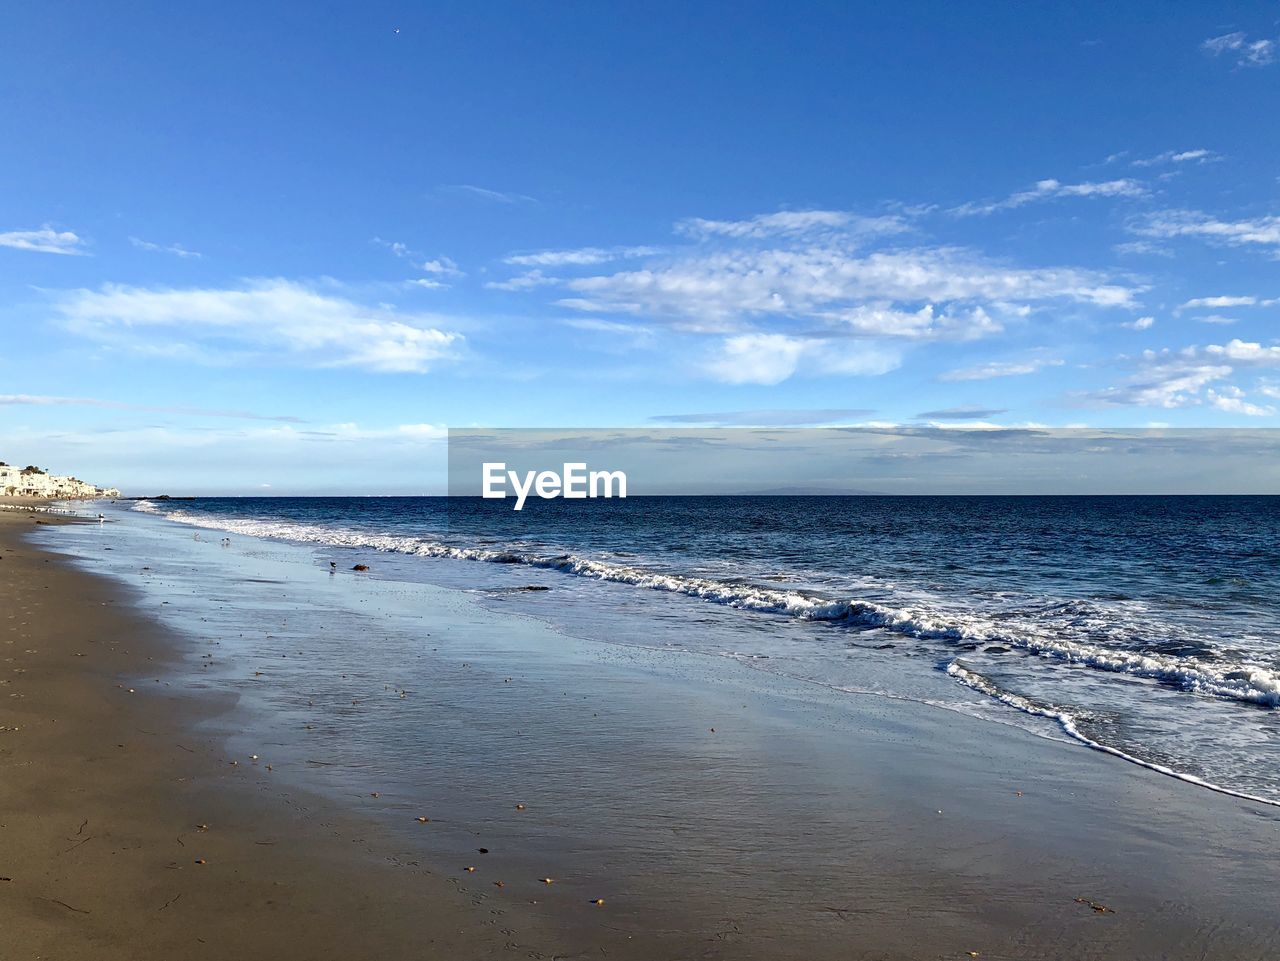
[[720, 815], [124, 834]]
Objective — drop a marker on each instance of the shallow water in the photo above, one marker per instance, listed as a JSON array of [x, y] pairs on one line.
[[1143, 625]]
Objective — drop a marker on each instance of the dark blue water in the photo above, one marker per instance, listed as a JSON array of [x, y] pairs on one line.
[[1144, 625]]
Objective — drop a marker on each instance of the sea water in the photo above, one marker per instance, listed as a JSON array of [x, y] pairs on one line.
[[1142, 626]]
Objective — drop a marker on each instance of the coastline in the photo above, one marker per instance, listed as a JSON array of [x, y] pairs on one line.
[[847, 826]]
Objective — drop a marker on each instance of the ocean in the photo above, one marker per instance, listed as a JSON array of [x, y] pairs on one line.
[[1145, 627]]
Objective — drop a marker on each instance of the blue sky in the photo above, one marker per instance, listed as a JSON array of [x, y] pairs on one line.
[[280, 247]]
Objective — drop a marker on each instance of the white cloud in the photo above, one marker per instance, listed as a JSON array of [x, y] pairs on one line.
[[757, 359], [1217, 319], [440, 265], [1199, 156], [434, 266], [994, 369], [526, 281], [1165, 385], [46, 240], [1263, 231], [1054, 189], [791, 223], [1193, 376], [1218, 303], [1238, 351], [1140, 323], [773, 358], [260, 321], [1143, 248], [581, 257], [927, 323], [176, 249], [782, 287], [1231, 399], [1248, 53], [714, 291]]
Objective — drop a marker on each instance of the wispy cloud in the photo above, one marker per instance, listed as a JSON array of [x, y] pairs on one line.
[[792, 223], [1246, 52], [1168, 224], [605, 326], [581, 257], [41, 400], [962, 413], [921, 293], [1218, 303], [1198, 156], [1053, 190], [1140, 323], [526, 281], [176, 249], [1166, 385], [46, 240], [485, 193], [260, 321], [993, 369], [805, 293], [433, 267], [804, 417], [1142, 248]]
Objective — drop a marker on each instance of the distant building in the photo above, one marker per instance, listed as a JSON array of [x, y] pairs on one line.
[[34, 482]]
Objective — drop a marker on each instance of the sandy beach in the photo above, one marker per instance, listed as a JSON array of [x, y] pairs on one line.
[[124, 834], [717, 813]]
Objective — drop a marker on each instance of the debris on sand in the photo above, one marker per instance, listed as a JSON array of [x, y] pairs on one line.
[[1096, 906]]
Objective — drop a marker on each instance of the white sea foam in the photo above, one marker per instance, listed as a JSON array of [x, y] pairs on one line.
[[984, 685], [1239, 681]]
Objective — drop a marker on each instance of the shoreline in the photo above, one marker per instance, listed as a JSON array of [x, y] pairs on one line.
[[105, 791], [806, 820]]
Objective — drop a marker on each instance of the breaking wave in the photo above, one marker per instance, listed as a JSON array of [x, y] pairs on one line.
[[1068, 723], [1040, 631]]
